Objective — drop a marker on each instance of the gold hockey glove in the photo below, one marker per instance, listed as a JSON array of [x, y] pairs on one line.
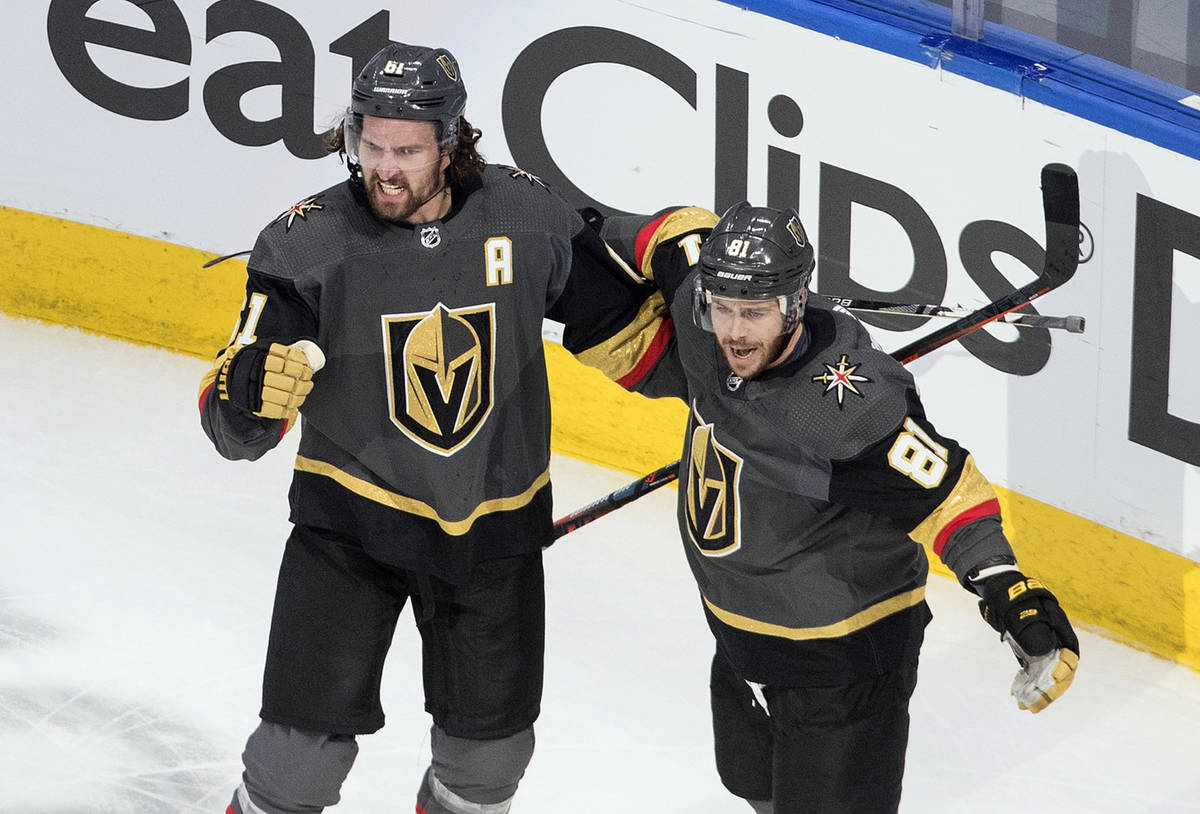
[[1030, 619], [269, 379]]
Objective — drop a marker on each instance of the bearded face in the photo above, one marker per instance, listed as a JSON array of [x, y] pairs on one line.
[[403, 169]]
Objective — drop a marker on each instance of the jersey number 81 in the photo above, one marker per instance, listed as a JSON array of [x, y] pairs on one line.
[[918, 456]]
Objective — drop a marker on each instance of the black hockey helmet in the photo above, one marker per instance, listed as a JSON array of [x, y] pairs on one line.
[[755, 253], [407, 82]]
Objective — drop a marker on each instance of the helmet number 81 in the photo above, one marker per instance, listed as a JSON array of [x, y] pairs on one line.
[[737, 248], [918, 456]]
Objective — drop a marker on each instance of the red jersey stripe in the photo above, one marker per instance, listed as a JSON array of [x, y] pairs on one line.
[[658, 345], [974, 513], [643, 239]]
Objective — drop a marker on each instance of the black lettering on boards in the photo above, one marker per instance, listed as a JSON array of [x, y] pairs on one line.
[[69, 31]]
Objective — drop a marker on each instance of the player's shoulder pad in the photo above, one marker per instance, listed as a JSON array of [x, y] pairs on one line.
[[524, 176], [311, 212], [528, 203], [856, 392], [322, 220]]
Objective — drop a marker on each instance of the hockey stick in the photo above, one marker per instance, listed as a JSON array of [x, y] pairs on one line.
[[1071, 324], [1060, 203], [553, 331], [223, 258], [615, 500]]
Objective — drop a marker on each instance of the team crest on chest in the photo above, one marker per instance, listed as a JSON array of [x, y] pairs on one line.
[[431, 237], [300, 210], [841, 378], [440, 369], [712, 507]]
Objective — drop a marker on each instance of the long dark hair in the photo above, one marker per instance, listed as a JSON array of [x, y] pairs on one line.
[[465, 160]]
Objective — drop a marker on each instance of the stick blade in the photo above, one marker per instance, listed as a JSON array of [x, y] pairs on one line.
[[1060, 203]]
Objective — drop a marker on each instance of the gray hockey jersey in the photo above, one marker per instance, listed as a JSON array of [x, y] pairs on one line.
[[426, 435], [805, 490]]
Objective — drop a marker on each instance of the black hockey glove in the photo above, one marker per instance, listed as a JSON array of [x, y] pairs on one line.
[[1029, 618], [269, 379]]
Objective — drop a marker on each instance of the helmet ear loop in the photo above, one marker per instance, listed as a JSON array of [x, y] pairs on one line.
[[447, 136], [701, 307], [794, 316], [349, 155]]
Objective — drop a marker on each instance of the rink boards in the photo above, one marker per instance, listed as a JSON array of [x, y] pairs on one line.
[[912, 157]]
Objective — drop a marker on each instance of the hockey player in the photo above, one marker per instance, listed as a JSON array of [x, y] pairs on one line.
[[400, 313], [809, 475]]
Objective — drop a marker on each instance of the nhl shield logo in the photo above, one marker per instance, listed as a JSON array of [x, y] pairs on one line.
[[712, 507], [440, 367], [431, 237]]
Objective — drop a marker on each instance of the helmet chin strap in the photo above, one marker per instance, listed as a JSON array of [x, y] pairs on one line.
[[441, 188]]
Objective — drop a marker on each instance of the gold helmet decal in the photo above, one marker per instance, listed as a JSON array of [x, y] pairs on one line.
[[793, 226], [712, 493], [448, 66], [439, 368]]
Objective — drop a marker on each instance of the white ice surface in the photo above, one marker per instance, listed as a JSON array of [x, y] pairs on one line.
[[136, 577]]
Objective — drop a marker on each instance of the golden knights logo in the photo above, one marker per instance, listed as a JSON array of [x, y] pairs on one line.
[[439, 371], [448, 66], [712, 506]]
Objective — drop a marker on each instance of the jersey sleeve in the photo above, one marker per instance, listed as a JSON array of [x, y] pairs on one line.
[[274, 310], [597, 295], [930, 483], [635, 346]]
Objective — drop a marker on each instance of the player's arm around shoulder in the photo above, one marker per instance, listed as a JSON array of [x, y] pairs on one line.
[[618, 310], [661, 248]]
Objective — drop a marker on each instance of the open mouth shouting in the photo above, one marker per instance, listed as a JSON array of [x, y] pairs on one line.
[[745, 359]]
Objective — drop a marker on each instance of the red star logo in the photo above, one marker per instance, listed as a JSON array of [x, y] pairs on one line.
[[842, 378], [300, 210]]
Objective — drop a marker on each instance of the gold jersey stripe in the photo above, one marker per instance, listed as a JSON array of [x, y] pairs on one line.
[[971, 490], [679, 222], [393, 500], [620, 353], [210, 378], [843, 628]]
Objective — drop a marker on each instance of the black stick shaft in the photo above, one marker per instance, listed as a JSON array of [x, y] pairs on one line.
[[1071, 323], [615, 500], [1060, 203]]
